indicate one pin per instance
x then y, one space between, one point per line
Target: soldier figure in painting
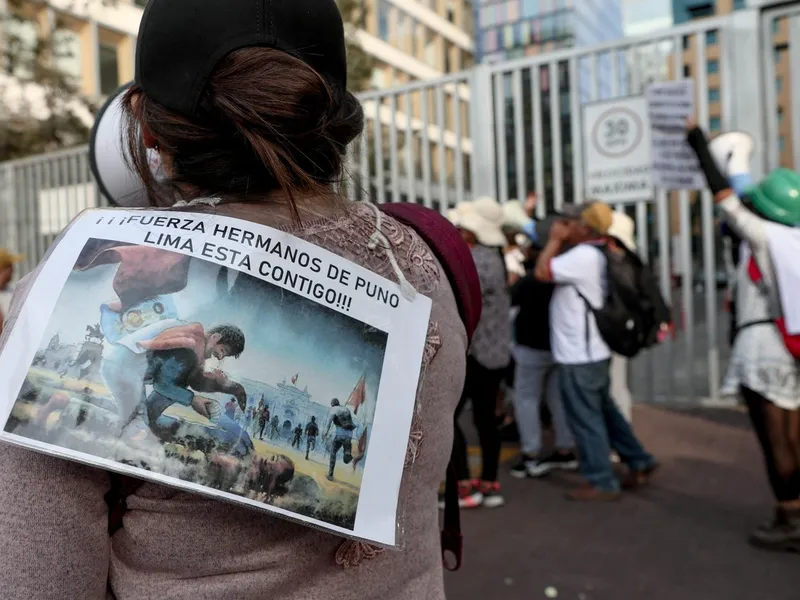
296 435
312 431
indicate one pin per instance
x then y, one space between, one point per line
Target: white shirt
581 269
515 260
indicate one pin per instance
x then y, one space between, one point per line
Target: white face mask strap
378 239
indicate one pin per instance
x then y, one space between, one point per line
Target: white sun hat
484 218
622 228
514 214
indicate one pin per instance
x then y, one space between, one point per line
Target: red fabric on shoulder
446 243
753 271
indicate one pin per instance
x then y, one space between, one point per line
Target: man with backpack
587 309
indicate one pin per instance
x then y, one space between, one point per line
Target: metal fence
506 129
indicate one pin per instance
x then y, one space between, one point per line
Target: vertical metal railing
510 129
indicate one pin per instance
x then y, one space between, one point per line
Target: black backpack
633 309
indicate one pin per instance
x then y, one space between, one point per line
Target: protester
764 360
622 229
480 222
536 377
250 114
7 262
583 356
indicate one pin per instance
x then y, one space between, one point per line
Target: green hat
777 197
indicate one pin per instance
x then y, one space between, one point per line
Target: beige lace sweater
178 546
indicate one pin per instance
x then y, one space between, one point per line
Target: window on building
109 69
530 8
702 10
490 40
779 84
446 62
739 4
383 20
687 71
687 41
525 32
780 116
715 124
487 16
430 49
776 26
500 12
508 37
547 27
23 35
451 11
711 37
780 52
782 143
713 66
713 94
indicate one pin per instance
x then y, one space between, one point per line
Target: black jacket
532 325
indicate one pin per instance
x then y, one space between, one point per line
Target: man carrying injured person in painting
344 422
175 368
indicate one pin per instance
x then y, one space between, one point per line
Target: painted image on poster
182 367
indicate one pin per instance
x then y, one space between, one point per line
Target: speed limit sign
617 142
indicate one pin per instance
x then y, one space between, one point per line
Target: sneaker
491 495
469 496
520 470
782 534
564 461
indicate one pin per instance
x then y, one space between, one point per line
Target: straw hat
598 215
484 218
622 228
514 215
9 259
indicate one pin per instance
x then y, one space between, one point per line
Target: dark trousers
261 426
346 445
481 386
778 432
597 424
311 444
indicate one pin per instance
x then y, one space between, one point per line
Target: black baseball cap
181 42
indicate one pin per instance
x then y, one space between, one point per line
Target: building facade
96 40
687 10
93 42
509 29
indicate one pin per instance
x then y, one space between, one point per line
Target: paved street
682 539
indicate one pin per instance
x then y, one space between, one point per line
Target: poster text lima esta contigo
181 236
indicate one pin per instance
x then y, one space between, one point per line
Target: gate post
481 111
747 105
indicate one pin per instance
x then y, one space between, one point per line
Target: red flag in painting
362 449
358 395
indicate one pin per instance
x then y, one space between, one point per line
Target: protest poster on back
221 357
675 165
